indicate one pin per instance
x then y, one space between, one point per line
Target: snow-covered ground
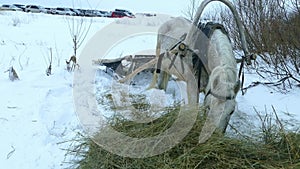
37 113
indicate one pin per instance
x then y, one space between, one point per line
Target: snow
37 112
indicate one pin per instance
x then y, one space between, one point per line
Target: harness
200 63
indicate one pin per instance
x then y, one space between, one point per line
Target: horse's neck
220 51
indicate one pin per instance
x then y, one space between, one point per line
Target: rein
248 59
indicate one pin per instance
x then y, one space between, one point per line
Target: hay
218 152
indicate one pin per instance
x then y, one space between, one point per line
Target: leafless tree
78 28
191 9
272 29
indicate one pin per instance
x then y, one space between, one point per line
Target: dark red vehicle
120 13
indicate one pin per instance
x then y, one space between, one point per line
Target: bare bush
16 21
78 28
12 74
49 69
273 34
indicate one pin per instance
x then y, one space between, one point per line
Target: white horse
179 44
222 86
218 66
218 73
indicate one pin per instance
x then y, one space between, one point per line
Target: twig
11 152
277 83
20 58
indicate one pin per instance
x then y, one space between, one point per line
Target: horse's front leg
163 80
154 80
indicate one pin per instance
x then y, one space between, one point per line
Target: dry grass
282 151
